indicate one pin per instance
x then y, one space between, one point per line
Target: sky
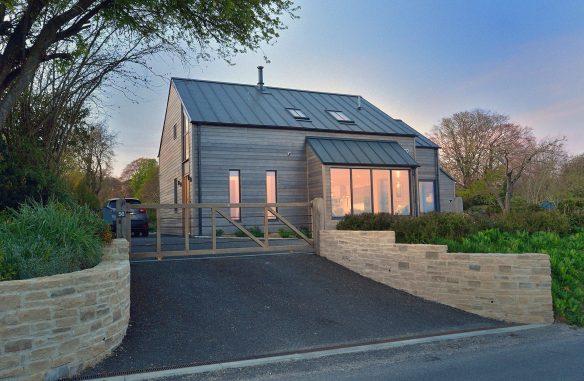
419 61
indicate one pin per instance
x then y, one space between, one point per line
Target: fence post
121 218
318 223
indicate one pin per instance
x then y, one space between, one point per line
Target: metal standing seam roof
221 103
360 152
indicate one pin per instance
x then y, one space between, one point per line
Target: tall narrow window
340 191
426 194
400 182
186 138
381 191
234 193
175 194
174 132
271 191
361 190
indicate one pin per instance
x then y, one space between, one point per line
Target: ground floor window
360 190
234 193
427 198
271 191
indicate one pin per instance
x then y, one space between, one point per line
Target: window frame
185 138
175 195
239 194
272 217
300 115
340 116
350 190
420 181
391 195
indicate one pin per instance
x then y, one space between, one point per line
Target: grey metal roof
223 103
360 152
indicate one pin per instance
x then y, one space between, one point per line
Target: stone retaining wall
510 287
53 327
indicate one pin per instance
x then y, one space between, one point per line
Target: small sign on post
121 218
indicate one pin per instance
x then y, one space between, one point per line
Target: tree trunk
508 194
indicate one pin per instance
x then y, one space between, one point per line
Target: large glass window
358 190
427 200
271 190
340 191
234 193
400 181
361 181
381 191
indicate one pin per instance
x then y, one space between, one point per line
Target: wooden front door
186 197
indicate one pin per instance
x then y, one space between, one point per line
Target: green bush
219 232
285 233
534 221
254 230
40 240
423 229
566 259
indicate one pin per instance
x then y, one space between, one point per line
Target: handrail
221 206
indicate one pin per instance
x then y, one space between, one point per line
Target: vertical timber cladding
170 163
254 151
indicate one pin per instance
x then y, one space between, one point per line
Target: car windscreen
132 201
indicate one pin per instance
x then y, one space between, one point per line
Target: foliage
306 231
50 31
144 181
566 258
254 230
219 232
532 221
24 177
40 240
423 229
285 233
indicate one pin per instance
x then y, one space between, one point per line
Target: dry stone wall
53 327
510 287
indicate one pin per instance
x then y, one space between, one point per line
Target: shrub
566 259
534 221
285 233
57 238
306 231
254 230
423 229
219 232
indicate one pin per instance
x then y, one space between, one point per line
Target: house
237 143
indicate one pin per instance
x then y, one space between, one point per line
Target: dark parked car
138 216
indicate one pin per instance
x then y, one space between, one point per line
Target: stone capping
54 327
510 287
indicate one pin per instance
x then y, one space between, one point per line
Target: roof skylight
297 114
340 116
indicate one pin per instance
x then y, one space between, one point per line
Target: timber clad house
236 143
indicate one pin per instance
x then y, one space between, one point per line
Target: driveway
194 311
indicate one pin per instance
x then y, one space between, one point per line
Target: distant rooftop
223 103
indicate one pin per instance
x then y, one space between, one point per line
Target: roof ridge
265 87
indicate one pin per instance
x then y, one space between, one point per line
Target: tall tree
467 140
517 157
483 145
36 31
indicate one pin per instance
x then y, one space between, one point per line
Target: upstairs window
340 116
297 114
